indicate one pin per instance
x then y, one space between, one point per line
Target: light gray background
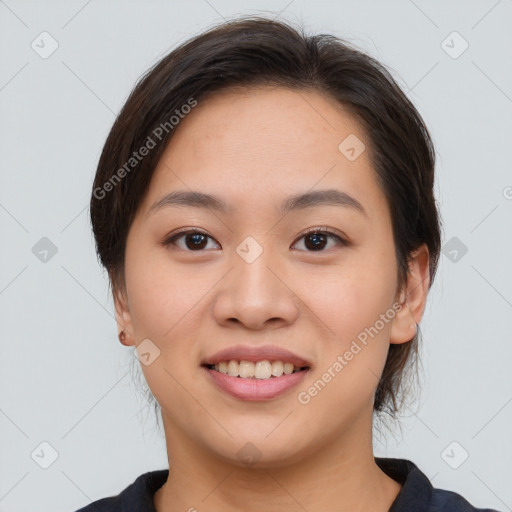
65 379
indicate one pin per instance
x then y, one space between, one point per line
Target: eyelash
171 240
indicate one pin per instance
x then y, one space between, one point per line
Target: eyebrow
328 197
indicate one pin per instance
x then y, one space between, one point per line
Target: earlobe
412 298
123 318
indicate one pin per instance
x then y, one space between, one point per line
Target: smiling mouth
259 370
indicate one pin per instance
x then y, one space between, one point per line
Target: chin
259 452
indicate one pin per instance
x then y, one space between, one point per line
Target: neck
342 476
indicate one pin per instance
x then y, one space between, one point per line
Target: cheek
164 308
152 307
163 296
350 297
351 360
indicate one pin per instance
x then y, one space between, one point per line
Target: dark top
416 495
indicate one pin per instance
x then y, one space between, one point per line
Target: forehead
261 144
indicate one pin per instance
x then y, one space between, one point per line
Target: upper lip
254 354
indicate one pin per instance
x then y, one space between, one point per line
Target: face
315 277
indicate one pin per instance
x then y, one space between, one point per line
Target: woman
264 207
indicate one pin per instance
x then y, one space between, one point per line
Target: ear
412 297
123 317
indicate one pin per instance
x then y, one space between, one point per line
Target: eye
194 239
316 239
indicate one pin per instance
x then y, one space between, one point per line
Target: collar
416 492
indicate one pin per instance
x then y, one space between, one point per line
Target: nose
258 294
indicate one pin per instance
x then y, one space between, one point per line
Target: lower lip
256 389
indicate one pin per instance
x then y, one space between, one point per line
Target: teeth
259 370
277 368
233 369
262 370
288 368
247 370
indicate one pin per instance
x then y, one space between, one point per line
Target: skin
254 148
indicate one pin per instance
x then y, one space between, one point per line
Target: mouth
255 373
255 370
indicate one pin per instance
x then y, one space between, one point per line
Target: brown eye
316 240
193 240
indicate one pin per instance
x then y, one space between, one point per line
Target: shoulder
448 501
418 494
137 497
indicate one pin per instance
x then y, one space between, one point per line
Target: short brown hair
255 51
